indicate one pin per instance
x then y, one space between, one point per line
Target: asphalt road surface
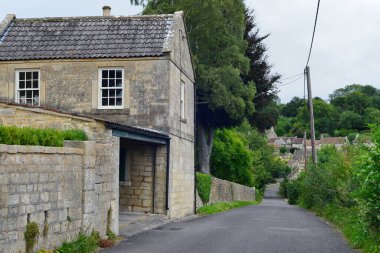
273 226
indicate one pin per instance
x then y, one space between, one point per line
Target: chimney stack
106 11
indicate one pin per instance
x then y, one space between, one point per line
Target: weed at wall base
31 235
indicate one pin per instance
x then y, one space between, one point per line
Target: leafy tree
216 31
266 117
371 116
353 97
351 120
231 158
284 126
291 108
260 74
325 118
266 166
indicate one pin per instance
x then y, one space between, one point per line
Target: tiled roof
87 37
298 141
332 140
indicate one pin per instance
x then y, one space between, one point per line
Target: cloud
346 44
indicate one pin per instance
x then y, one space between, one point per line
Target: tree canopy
351 109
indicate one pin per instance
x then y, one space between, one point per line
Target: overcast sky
346 47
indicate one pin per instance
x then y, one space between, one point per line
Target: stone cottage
133 75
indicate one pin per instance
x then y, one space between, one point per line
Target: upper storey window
28 87
111 88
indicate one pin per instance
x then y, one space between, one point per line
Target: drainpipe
167 174
154 166
195 148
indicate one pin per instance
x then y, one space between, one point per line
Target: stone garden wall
226 191
64 190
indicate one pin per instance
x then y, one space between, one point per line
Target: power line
290 77
290 82
312 39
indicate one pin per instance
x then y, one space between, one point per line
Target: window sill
124 111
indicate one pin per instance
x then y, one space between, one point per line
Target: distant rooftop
85 37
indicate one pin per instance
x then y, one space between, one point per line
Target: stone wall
41 185
65 189
226 191
20 116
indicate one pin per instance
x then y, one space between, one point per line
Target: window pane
104 93
104 73
111 83
29 101
22 94
29 94
28 84
112 93
35 75
112 102
28 75
119 82
22 84
36 97
112 74
22 75
35 84
104 101
104 83
118 101
118 73
119 93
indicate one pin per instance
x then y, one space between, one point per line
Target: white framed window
111 88
182 100
28 86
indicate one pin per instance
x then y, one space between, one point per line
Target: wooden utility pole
305 149
311 112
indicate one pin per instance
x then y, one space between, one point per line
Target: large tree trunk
205 140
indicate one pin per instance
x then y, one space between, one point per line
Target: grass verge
223 206
356 233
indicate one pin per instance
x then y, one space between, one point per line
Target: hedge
203 186
11 135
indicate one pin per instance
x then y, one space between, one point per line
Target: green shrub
293 191
368 174
266 166
31 235
283 188
83 244
74 135
12 135
203 184
283 150
231 158
344 188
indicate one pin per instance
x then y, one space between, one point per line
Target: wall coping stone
13 149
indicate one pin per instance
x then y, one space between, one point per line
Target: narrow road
273 226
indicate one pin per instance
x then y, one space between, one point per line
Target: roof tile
86 37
